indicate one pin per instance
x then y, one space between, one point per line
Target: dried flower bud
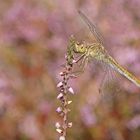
62 90
71 90
66 56
59 110
62 138
62 73
60 95
59 130
59 84
69 102
57 125
74 61
62 114
70 124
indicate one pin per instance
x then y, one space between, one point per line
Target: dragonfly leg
79 58
82 64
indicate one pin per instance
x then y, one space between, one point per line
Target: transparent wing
110 85
82 63
92 27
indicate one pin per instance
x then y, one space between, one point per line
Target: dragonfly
98 52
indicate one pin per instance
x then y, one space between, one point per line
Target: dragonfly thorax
97 51
80 48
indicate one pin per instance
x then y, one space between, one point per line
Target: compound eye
82 46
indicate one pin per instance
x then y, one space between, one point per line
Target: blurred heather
33 39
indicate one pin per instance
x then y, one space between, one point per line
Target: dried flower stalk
64 89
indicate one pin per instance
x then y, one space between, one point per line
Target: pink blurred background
33 41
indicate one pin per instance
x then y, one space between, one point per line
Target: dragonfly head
79 48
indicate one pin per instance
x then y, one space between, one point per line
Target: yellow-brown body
98 52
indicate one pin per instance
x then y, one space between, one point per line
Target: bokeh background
33 41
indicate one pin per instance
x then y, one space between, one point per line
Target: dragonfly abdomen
113 63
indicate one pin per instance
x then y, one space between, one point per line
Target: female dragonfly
98 52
